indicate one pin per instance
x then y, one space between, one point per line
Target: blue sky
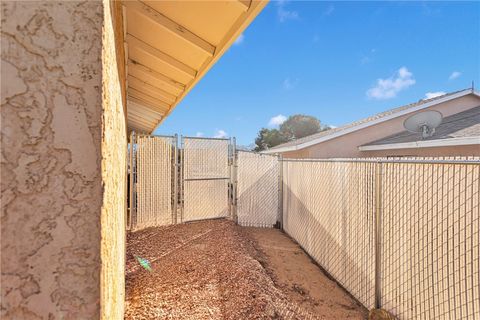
338 61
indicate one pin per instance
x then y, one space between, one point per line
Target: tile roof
459 125
363 121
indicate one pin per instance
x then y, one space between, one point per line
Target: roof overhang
170 45
371 123
449 142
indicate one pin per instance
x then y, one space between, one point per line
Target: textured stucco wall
114 146
60 191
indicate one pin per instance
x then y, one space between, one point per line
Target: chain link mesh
329 209
205 178
257 189
154 181
430 236
429 226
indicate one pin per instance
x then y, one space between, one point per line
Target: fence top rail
144 135
258 153
205 138
408 161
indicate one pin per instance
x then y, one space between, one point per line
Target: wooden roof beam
170 25
140 120
139 125
245 4
138 128
144 109
134 42
147 104
146 71
138 113
142 96
151 90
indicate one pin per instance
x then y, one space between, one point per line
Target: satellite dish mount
424 123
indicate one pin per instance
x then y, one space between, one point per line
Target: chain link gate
152 181
206 178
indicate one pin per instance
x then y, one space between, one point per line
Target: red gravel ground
218 270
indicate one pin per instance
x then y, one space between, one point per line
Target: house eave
424 144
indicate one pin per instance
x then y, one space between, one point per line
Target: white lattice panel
257 189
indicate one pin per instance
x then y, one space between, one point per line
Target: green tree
268 138
299 126
295 127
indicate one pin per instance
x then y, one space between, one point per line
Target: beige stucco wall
114 148
63 158
347 145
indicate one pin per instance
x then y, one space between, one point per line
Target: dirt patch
301 280
209 270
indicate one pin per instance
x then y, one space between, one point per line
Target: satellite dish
424 123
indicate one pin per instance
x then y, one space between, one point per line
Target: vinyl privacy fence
400 234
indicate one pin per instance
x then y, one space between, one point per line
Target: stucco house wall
62 165
346 146
113 166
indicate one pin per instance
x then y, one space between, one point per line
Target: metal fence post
234 181
182 182
230 182
378 226
175 179
131 181
280 190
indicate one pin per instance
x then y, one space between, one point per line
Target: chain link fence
152 197
205 177
430 240
398 234
257 189
329 209
401 234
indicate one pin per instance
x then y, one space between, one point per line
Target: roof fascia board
424 144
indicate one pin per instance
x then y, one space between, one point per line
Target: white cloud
284 14
455 75
430 95
239 40
289 84
277 120
220 134
388 88
199 134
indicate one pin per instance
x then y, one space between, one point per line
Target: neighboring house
383 134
